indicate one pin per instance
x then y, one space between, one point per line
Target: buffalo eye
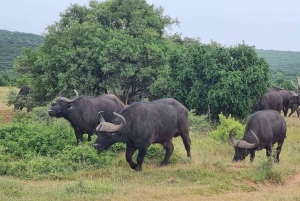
61 103
106 135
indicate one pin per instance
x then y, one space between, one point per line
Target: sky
265 24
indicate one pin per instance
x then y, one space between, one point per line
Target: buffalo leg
90 136
140 158
285 111
252 155
294 107
186 141
78 136
268 151
168 146
187 144
129 152
278 150
292 111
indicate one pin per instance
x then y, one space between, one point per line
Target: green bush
225 126
3 81
198 123
12 94
38 147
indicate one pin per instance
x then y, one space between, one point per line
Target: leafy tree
116 46
213 79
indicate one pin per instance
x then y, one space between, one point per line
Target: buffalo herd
141 124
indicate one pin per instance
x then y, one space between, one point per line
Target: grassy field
210 175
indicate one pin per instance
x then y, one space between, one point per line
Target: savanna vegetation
40 161
122 47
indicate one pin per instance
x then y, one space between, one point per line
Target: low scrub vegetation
37 148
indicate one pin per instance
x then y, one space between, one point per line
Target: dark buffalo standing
20 101
263 130
286 100
271 100
295 99
293 106
24 91
286 95
144 123
82 111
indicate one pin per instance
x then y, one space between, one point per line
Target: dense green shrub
35 146
225 126
3 81
198 123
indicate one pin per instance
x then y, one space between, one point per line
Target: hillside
284 64
11 44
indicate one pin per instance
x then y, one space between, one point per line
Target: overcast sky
267 24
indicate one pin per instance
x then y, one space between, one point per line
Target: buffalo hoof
162 164
135 166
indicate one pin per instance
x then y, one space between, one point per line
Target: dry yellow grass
5 111
177 180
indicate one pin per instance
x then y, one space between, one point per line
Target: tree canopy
213 79
120 46
115 46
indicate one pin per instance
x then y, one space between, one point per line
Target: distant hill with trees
11 44
284 65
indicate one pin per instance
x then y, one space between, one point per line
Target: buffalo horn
70 100
233 141
110 127
101 119
61 92
242 143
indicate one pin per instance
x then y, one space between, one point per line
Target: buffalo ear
69 106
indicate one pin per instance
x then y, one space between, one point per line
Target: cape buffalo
293 106
263 130
82 111
270 100
20 101
295 99
286 95
144 123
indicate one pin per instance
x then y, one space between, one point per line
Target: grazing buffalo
263 130
20 101
144 123
82 111
270 100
